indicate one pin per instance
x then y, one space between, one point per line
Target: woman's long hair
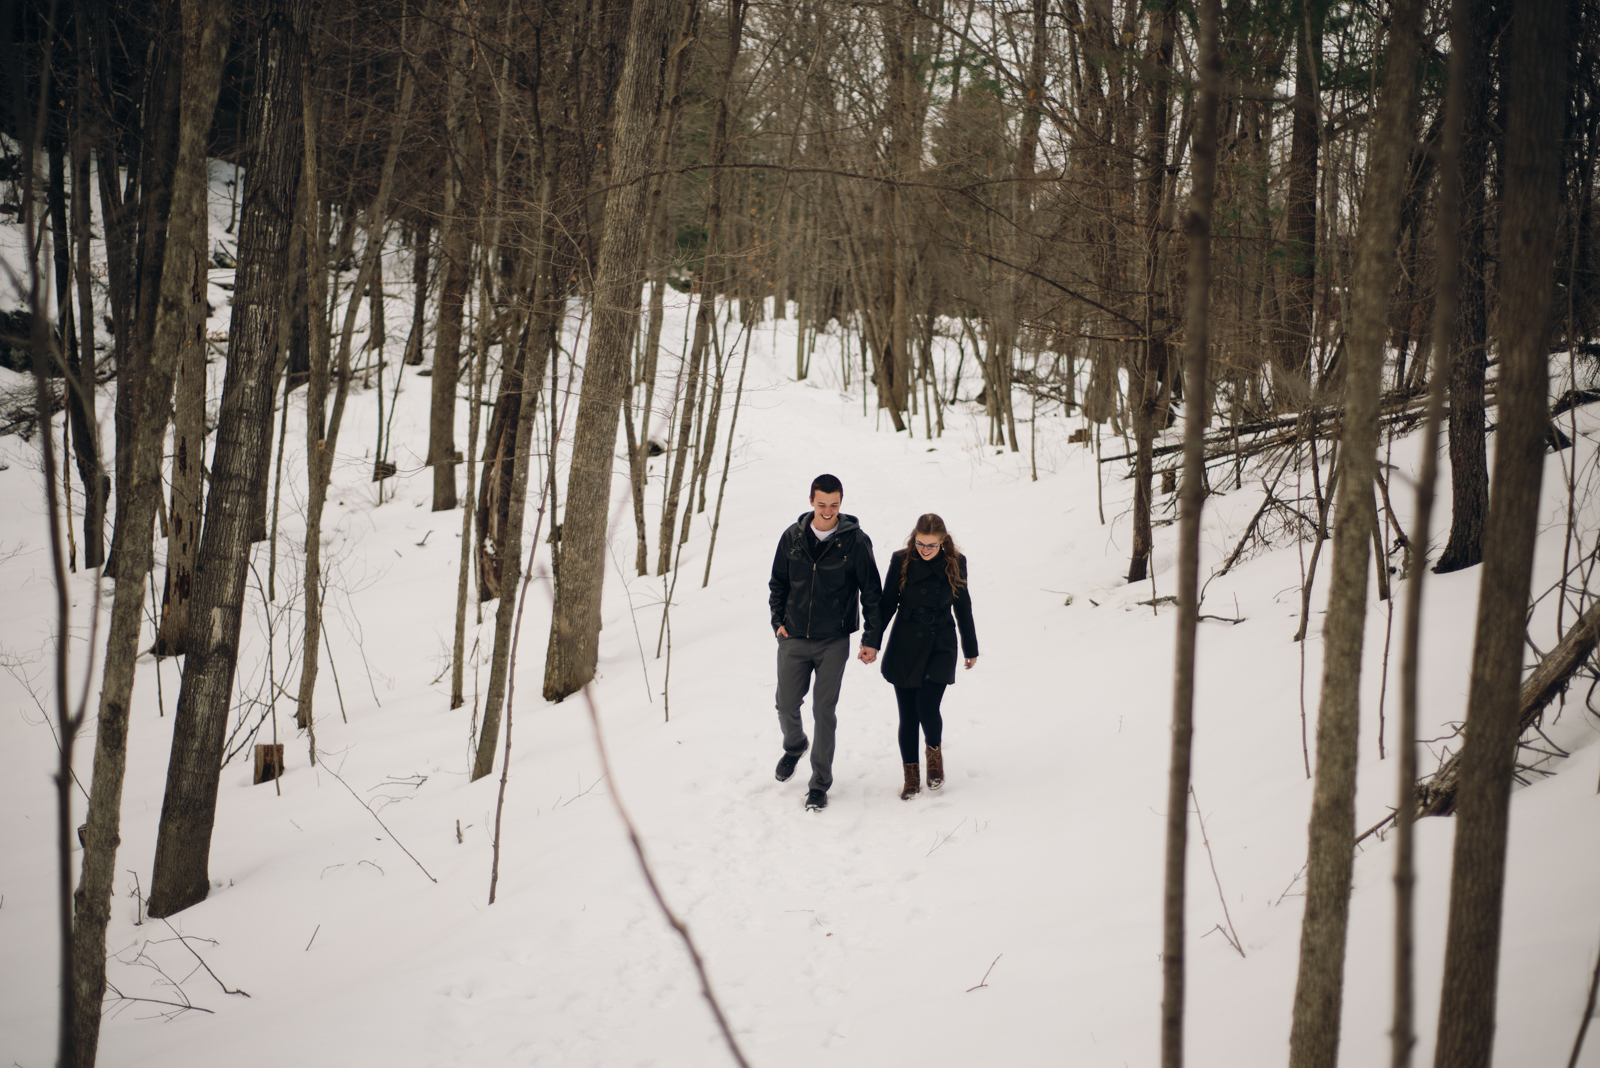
932 524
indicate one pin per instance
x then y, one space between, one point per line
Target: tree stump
269 762
1169 480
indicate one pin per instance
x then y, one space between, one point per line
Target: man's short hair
826 484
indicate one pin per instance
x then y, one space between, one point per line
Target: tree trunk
575 625
272 181
1469 457
188 455
1535 113
157 157
1197 231
544 322
1143 388
87 447
456 249
711 281
419 300
322 440
1319 987
205 41
1402 1032
1293 378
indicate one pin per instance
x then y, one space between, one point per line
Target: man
824 562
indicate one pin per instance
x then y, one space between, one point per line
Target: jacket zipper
811 605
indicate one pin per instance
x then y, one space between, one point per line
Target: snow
1011 918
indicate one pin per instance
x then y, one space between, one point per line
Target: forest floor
1012 918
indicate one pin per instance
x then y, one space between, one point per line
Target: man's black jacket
817 598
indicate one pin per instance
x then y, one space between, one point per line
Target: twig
945 839
201 959
985 980
1230 934
1286 889
138 897
1588 1014
313 939
156 1001
374 815
655 891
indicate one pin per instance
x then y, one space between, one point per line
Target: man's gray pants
798 659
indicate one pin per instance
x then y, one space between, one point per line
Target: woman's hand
970 661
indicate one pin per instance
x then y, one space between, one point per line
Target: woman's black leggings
919 706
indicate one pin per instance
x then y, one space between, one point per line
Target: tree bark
1143 388
87 447
272 180
188 453
1402 1032
1197 316
1319 987
575 626
456 249
205 41
1300 212
1535 113
1469 456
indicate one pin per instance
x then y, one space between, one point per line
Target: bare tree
272 181
1197 341
575 625
1535 113
1319 987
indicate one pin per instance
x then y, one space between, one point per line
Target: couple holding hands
823 564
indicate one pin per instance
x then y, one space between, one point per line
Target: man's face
825 509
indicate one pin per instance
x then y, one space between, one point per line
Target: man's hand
783 632
867 654
970 661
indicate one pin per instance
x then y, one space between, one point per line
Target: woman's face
927 545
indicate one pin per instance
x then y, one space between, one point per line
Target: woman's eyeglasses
927 547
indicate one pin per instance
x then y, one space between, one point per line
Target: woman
926 582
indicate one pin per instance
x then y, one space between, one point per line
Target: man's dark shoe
787 762
816 800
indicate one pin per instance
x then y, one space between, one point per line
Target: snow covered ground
1013 918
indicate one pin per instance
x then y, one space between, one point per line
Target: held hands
970 661
867 655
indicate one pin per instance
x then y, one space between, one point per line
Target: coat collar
847 523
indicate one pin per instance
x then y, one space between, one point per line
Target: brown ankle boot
935 768
913 784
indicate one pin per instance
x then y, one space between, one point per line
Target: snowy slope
849 937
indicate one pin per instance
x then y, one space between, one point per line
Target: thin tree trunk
322 442
205 40
1469 334
1535 113
183 843
712 278
1319 988
87 447
1293 378
157 157
456 249
1191 498
1402 1033
188 456
421 243
575 624
1151 363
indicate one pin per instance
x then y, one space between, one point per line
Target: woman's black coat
922 645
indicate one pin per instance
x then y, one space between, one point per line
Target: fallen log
1437 795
